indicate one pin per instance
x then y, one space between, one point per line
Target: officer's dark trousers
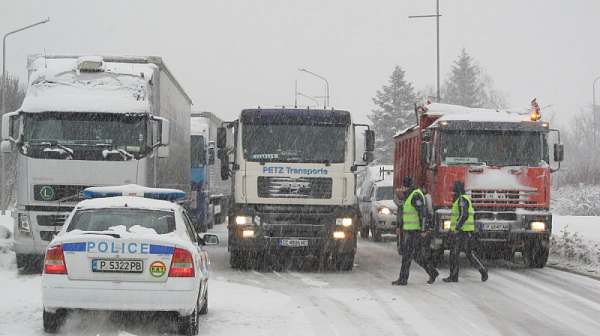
465 241
412 250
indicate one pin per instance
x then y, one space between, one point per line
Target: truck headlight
339 234
447 224
242 220
538 226
248 233
24 225
384 211
343 221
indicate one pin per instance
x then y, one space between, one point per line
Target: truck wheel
30 263
364 232
344 261
236 260
535 254
53 321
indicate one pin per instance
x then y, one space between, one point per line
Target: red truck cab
503 158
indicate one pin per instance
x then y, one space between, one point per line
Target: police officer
413 221
462 226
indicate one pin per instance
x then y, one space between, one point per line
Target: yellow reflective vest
410 216
469 224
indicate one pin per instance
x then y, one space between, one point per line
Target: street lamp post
326 86
594 107
437 25
303 95
3 201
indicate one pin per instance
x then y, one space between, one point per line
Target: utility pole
437 24
3 200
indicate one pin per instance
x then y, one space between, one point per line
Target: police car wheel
188 325
53 321
204 309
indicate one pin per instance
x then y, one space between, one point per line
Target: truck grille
502 197
51 220
58 193
287 187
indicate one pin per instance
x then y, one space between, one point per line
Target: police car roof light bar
134 190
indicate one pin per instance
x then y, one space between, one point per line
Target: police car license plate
293 242
495 226
121 266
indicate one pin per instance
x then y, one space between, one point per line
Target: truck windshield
385 193
493 148
295 143
85 136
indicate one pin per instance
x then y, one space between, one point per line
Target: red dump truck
503 158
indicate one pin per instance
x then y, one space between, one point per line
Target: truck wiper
53 144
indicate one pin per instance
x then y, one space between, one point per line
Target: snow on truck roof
448 112
73 85
455 112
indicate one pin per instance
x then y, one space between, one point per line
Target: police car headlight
343 221
242 220
384 211
538 226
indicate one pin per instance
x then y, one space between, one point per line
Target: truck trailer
92 121
210 194
503 159
293 185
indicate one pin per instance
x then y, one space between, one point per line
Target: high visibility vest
469 224
410 216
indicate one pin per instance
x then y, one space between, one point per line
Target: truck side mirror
559 152
6 146
224 157
8 120
426 135
425 153
221 137
211 156
368 156
164 131
369 141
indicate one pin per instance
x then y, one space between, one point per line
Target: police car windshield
102 219
295 143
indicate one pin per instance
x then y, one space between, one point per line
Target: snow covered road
298 301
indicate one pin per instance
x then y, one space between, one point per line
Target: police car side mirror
210 239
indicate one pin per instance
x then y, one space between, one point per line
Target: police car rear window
103 219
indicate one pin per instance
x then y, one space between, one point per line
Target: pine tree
396 112
470 86
15 93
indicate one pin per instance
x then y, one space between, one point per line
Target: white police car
127 253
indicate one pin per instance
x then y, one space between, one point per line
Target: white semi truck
92 121
293 185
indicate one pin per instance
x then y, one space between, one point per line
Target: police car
138 252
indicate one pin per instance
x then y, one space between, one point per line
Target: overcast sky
233 54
